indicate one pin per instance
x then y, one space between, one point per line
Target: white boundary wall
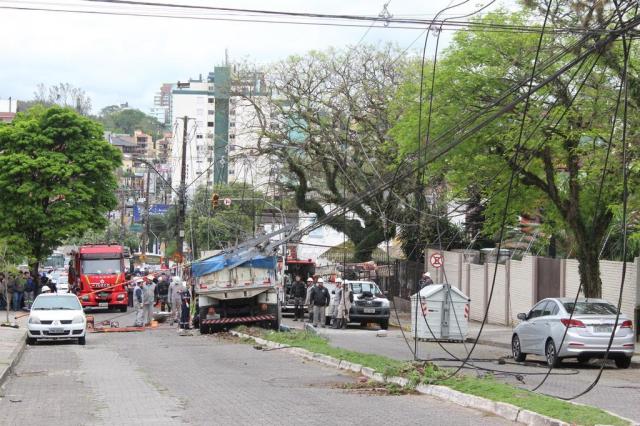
514 290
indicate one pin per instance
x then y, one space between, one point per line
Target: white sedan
56 316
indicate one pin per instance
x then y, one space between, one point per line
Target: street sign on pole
436 260
227 201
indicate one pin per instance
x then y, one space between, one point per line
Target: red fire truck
96 275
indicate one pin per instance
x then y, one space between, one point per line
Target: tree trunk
589 270
33 267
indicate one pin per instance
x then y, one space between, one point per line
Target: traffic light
214 200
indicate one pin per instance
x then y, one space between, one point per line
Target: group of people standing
19 289
315 296
174 297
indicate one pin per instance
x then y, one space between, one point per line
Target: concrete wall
522 278
514 290
611 276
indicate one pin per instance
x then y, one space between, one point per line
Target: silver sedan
588 332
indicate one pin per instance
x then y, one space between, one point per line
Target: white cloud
117 58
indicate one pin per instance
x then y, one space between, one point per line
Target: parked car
588 332
369 304
56 316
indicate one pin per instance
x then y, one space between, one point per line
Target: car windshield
361 287
50 303
591 308
101 266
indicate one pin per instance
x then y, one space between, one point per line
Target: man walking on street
333 310
345 298
175 298
307 301
163 292
299 293
319 299
149 299
138 293
18 292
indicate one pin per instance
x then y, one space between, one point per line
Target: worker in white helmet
176 288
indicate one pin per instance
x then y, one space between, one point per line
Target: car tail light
572 323
626 324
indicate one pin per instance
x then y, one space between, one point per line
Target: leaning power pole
181 192
145 235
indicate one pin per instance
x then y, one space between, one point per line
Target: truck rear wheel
204 328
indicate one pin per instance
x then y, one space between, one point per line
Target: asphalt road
618 390
158 377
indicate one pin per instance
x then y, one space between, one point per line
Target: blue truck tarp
217 263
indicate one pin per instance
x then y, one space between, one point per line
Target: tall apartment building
144 145
218 145
161 109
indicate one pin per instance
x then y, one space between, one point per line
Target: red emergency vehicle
97 276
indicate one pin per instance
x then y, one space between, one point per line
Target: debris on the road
375 388
8 324
381 333
114 329
15 400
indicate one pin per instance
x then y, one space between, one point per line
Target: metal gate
548 278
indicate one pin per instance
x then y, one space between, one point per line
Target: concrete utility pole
145 236
181 192
122 214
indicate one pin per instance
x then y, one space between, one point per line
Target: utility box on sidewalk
440 312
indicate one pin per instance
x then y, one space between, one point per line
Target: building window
210 100
210 124
232 124
232 136
211 112
198 136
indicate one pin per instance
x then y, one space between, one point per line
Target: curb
15 356
500 409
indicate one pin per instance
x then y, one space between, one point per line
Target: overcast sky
120 59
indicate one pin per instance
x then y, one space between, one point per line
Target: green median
427 373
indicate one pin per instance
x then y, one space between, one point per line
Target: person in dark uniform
184 312
130 286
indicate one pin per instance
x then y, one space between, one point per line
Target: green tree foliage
127 120
56 178
559 168
209 228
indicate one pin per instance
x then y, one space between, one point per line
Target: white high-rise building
194 100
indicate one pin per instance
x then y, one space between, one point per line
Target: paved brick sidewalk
12 341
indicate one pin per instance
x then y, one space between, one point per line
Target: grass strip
485 387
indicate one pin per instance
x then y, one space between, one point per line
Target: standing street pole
181 192
122 215
145 236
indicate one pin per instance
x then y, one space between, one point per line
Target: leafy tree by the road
57 179
127 120
327 124
559 168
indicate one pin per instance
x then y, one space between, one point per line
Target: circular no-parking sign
227 201
436 260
